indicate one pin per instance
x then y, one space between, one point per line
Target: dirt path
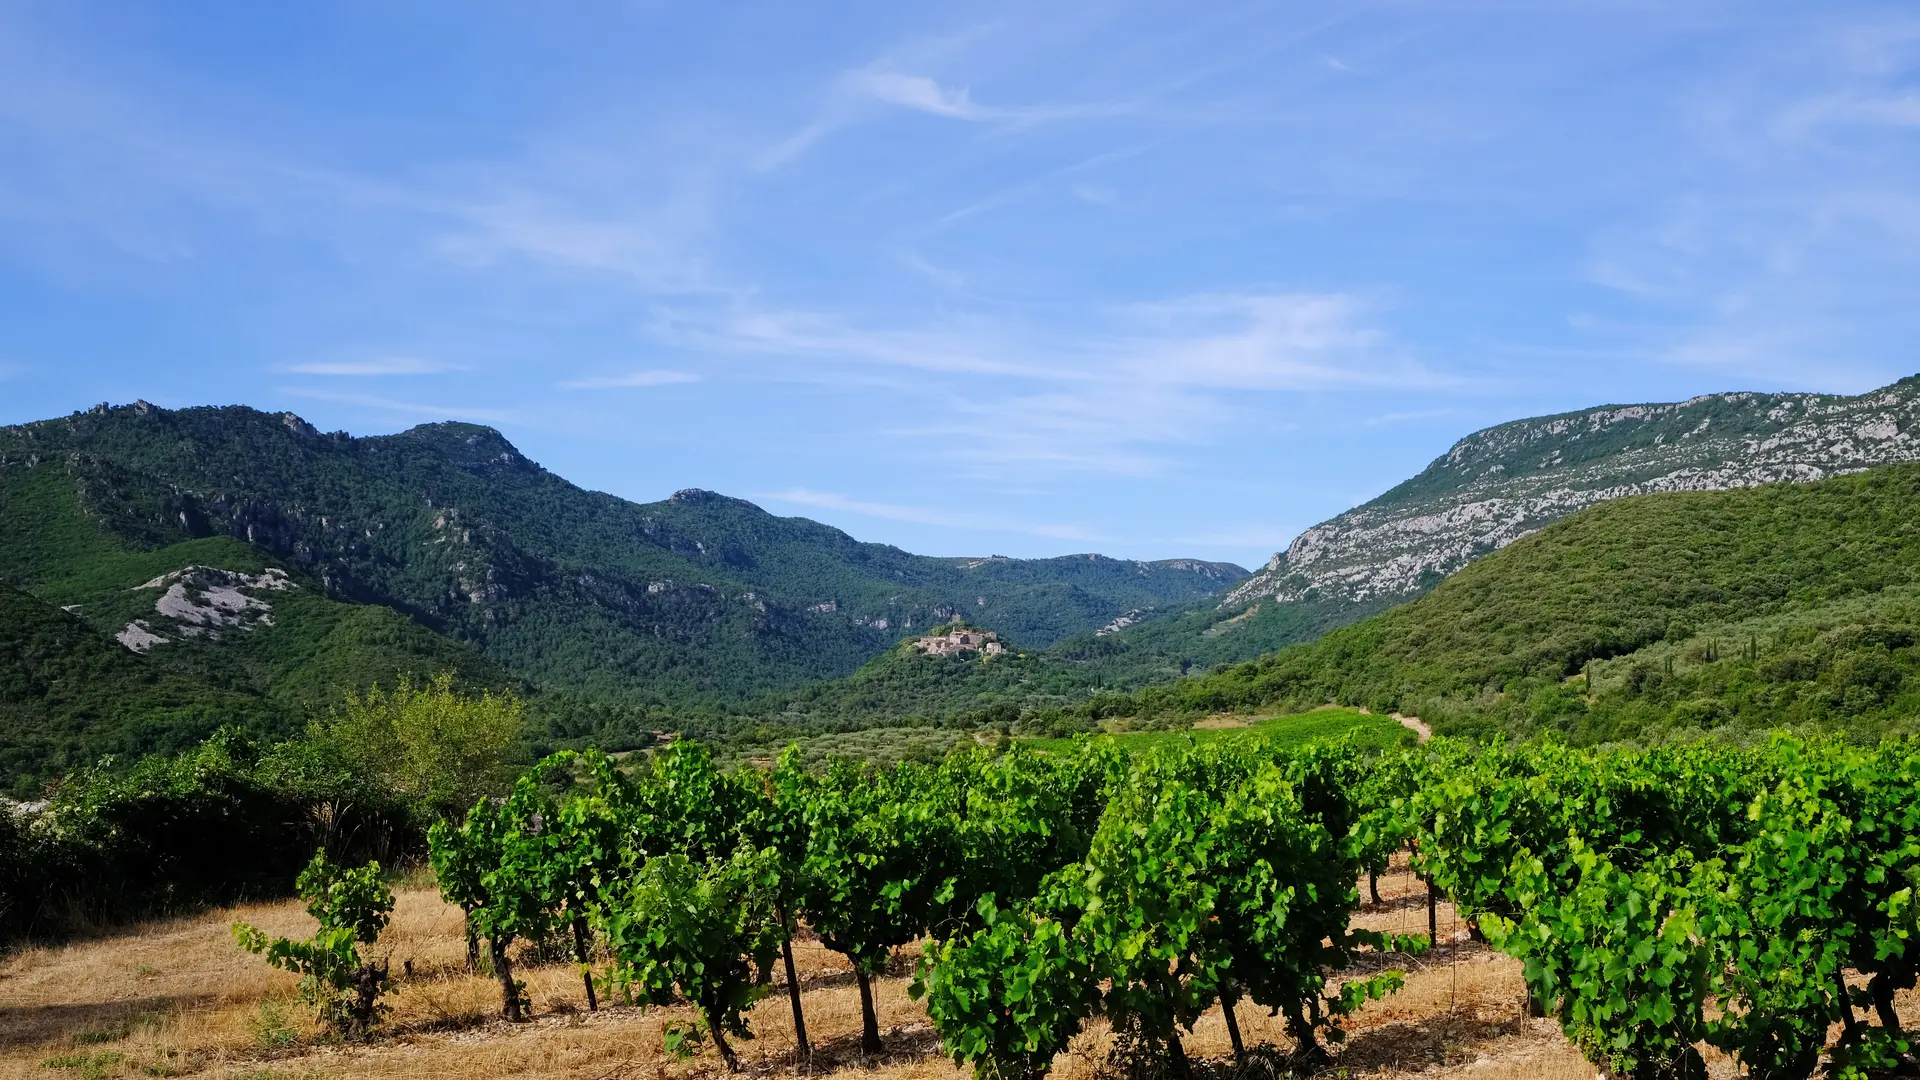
1411 723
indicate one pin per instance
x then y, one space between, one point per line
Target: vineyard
1751 902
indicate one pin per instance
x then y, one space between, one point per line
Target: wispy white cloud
950 346
1097 194
1271 341
394 405
919 515
650 230
1820 115
922 93
393 365
630 380
1005 399
915 92
1385 419
854 96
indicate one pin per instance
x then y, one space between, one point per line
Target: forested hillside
1490 488
1504 482
1044 688
694 600
252 570
1647 617
443 548
222 641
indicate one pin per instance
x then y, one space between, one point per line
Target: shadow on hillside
90 1022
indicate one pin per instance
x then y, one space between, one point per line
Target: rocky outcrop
1500 484
205 602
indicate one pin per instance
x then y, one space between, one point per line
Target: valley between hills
574 786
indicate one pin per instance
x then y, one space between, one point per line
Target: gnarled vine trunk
1177 1054
720 1041
511 1006
580 954
369 980
869 1020
1233 1027
793 987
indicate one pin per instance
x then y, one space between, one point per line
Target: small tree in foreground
438 748
352 907
706 934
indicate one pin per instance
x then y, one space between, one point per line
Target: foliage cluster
117 841
162 836
1669 897
352 906
431 746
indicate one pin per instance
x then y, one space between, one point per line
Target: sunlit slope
115 640
1784 604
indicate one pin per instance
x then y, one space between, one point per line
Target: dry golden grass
180 999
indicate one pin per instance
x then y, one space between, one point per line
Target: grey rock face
205 601
1498 485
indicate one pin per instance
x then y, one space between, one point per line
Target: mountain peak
1503 482
469 444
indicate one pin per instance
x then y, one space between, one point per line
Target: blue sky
1032 279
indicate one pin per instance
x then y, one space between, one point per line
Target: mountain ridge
1503 482
1662 616
699 599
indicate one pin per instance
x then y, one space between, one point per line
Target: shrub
352 907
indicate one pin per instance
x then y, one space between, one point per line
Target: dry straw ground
179 998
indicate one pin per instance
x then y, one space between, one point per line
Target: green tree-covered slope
118 634
904 688
70 692
1745 609
1489 489
1501 483
693 601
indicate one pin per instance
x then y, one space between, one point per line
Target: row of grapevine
1215 875
1050 887
1747 900
693 880
1659 900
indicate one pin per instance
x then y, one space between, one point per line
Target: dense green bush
161 836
